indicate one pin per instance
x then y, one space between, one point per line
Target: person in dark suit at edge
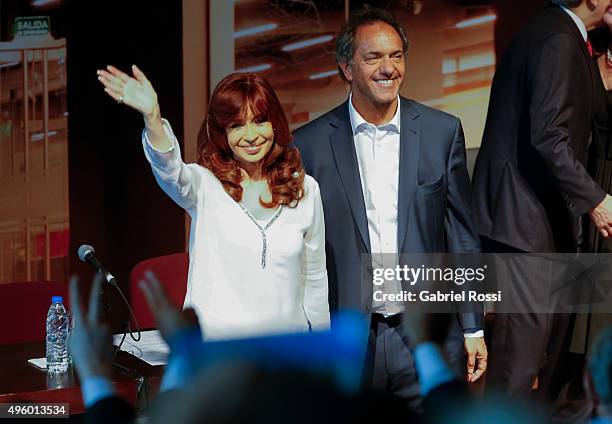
393 180
530 185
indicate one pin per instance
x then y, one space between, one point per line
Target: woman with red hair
257 244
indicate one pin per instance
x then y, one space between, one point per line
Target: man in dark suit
393 179
531 187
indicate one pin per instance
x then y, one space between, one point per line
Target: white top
378 149
232 293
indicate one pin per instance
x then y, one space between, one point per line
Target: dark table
20 381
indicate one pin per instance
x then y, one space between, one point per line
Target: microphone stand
127 326
127 329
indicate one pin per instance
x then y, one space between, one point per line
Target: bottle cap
57 299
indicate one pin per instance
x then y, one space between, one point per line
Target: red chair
28 303
172 272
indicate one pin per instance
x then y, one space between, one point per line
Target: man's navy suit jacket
434 197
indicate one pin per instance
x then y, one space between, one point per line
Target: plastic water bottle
57 337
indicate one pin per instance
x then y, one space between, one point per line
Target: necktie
590 47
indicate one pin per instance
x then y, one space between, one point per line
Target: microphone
88 254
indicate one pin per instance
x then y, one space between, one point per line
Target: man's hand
90 342
601 215
170 319
605 70
476 351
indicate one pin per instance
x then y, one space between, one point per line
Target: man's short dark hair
345 43
568 3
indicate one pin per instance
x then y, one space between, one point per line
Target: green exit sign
32 25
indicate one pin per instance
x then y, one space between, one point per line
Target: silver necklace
263 230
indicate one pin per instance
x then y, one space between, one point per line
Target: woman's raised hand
136 92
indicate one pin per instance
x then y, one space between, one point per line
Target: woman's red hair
282 166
